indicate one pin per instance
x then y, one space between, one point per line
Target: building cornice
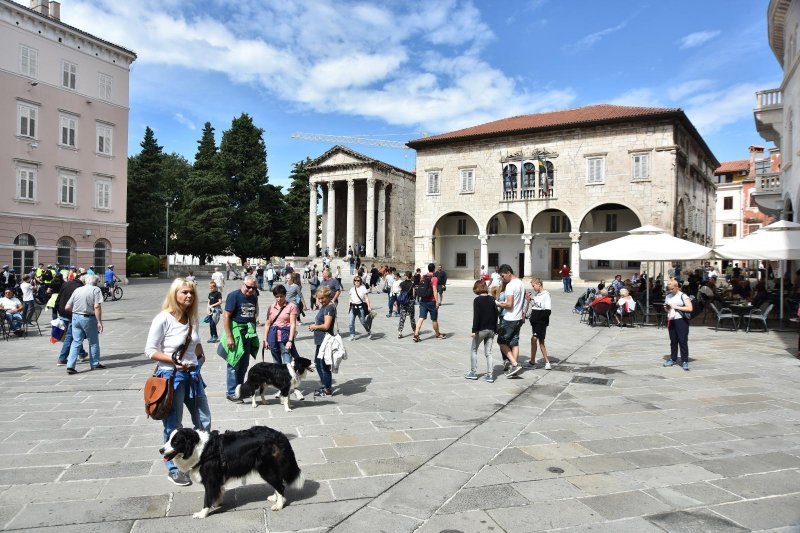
776 27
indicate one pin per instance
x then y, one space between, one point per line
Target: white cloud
712 111
677 92
641 96
415 63
183 120
697 38
593 38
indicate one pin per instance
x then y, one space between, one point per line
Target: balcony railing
532 193
768 183
769 98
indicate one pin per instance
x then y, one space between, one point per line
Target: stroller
582 304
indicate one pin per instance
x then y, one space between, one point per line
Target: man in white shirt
13 308
514 303
270 275
218 278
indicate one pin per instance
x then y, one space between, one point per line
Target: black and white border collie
263 375
215 458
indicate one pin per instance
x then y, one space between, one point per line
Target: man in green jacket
239 336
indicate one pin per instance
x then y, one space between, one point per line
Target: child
484 324
540 309
214 310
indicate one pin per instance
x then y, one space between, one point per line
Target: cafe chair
724 313
761 315
31 320
601 311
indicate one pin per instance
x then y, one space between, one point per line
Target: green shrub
142 264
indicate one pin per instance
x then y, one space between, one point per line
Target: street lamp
166 237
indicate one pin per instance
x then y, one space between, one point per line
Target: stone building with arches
534 190
64 111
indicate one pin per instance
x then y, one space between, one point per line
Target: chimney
55 10
40 6
755 151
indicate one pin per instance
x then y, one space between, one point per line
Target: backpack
697 308
404 297
425 289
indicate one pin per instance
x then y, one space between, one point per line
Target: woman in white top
359 306
626 305
679 309
539 316
169 331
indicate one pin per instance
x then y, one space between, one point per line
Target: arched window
65 251
494 226
546 179
24 253
510 182
528 180
101 250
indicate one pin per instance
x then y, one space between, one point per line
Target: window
595 170
64 251
23 255
494 259
100 249
752 228
510 182
104 82
762 166
559 224
69 129
611 222
641 166
546 179
467 180
729 230
634 264
727 202
104 136
604 264
66 188
494 226
26 183
69 74
461 260
462 226
28 61
528 176
26 120
102 189
433 183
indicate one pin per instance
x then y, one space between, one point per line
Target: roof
726 167
563 119
71 28
363 160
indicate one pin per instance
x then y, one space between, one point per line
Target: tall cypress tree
145 211
202 219
296 199
254 203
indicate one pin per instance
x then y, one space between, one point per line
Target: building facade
534 190
365 202
64 113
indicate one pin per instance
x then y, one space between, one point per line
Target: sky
399 70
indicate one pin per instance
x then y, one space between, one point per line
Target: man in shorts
511 323
539 311
429 306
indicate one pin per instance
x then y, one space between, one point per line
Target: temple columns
331 240
351 214
312 220
370 251
381 219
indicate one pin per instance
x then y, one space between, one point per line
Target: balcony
769 114
527 193
768 193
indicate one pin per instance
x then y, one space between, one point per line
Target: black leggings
679 338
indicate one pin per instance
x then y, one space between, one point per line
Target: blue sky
397 68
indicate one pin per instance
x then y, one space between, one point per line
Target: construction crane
349 139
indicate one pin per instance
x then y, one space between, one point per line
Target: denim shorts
426 308
509 332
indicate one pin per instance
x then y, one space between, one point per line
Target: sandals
416 338
441 336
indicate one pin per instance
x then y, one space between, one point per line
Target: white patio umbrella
647 243
779 241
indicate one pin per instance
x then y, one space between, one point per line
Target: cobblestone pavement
407 444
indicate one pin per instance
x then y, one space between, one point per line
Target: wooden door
558 258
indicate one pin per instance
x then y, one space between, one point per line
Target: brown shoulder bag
158 391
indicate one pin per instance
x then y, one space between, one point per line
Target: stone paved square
407 444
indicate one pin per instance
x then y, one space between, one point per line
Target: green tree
296 199
255 204
202 220
145 211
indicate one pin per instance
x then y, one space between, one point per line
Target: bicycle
114 292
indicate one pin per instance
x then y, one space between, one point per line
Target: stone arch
603 223
102 256
505 245
456 245
551 243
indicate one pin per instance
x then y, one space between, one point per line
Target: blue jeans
324 371
260 281
392 300
352 268
84 327
565 281
27 309
361 312
198 409
67 344
236 374
15 320
280 353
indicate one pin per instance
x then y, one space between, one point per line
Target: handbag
159 391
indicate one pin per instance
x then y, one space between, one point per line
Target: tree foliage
145 217
297 198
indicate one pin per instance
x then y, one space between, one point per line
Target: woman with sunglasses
359 306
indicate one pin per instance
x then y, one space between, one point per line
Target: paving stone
628 444
595 464
628 525
43 459
422 492
761 485
378 467
547 515
427 448
386 437
511 455
467 522
372 520
78 512
464 457
364 487
661 476
538 470
692 494
691 521
108 526
107 470
352 453
752 464
607 483
660 457
490 497
489 475
22 476
544 490
331 471
51 492
625 504
702 435
316 515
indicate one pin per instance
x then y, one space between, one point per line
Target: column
351 216
484 251
312 220
381 219
331 241
370 217
575 255
528 248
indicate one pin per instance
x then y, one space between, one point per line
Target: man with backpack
428 303
441 278
405 300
